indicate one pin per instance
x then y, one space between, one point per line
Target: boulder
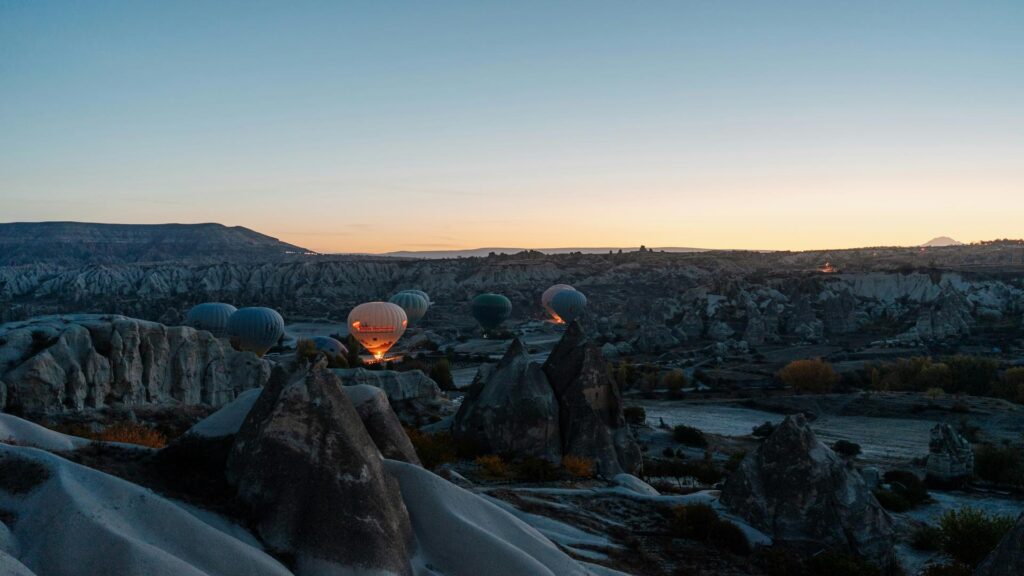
1008 557
950 457
802 494
511 408
62 364
381 423
415 398
590 409
314 482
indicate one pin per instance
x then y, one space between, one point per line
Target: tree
809 375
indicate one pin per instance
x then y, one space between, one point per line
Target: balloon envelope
255 329
210 316
549 294
377 326
569 305
329 345
420 292
490 310
415 306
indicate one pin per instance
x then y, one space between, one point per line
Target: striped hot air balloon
377 326
255 329
210 316
548 295
490 310
569 305
415 306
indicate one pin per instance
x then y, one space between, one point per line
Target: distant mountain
480 252
88 243
942 241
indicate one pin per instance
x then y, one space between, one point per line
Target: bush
972 374
689 436
131 433
908 486
675 381
837 563
1012 385
578 467
441 372
809 375
1002 465
536 470
968 535
635 415
493 466
734 460
846 449
927 538
891 501
764 430
693 521
433 449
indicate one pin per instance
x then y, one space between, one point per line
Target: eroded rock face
56 364
801 493
950 457
314 481
413 395
590 409
381 423
1008 557
511 409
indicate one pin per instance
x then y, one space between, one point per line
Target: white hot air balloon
255 329
377 326
210 316
549 295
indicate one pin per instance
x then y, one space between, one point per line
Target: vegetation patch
689 436
968 534
21 475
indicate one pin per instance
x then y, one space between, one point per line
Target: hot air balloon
210 316
415 306
255 329
545 299
569 305
377 326
421 293
329 345
490 310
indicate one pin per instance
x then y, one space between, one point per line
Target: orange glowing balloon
377 326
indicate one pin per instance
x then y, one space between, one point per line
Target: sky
381 125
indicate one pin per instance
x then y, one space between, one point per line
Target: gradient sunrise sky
375 126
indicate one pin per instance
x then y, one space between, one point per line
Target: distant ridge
480 252
942 241
89 243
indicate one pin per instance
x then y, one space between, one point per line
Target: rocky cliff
56 364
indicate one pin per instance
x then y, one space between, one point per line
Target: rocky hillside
77 243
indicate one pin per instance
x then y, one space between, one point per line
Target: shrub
578 467
972 374
809 375
635 415
668 452
131 433
441 372
1002 465
493 466
675 381
734 460
846 449
968 535
891 501
625 374
536 470
1012 384
689 436
693 521
908 486
927 538
836 563
934 393
433 449
764 430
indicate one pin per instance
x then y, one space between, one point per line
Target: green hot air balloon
419 292
569 305
415 306
490 310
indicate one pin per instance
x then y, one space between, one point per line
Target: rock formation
381 423
950 457
590 408
57 364
798 491
413 395
1008 557
511 408
311 476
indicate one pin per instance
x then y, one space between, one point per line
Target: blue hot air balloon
490 310
569 305
210 316
255 329
329 345
415 306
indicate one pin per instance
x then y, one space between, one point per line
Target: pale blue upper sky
386 125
